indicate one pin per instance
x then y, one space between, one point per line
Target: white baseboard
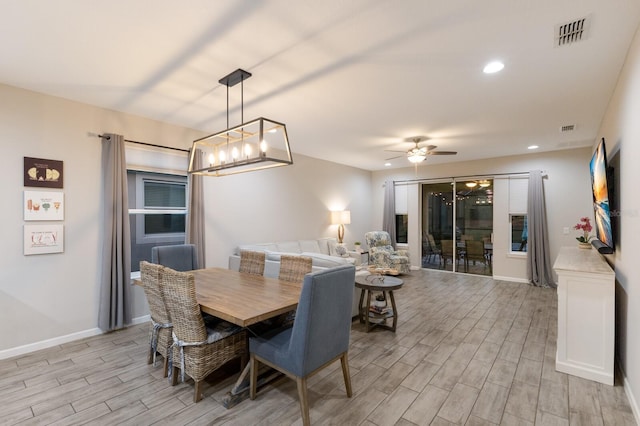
44 344
633 402
511 279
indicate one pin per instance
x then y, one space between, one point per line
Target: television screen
598 167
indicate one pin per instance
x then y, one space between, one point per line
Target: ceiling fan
418 154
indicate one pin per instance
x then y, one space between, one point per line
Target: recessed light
493 67
387 164
533 147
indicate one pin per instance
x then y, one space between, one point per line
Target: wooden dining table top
244 299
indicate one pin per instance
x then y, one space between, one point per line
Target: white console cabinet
586 314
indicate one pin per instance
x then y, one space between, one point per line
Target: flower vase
584 245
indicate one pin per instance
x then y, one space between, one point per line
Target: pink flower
585 226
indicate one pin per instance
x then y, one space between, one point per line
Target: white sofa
322 252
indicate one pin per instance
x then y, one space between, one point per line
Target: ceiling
350 78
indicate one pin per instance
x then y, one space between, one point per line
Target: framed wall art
43 205
43 239
42 173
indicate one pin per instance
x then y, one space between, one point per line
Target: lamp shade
342 217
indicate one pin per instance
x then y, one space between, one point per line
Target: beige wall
567 194
286 203
49 299
621 130
47 296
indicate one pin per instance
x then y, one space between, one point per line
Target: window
519 233
518 192
158 207
402 222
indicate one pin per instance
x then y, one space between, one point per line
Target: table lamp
340 218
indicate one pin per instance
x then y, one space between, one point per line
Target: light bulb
211 159
247 150
263 147
234 153
223 157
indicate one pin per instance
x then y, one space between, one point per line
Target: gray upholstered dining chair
160 339
179 257
319 336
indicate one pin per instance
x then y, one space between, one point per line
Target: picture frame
43 205
43 173
43 239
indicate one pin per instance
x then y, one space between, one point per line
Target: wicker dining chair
252 262
160 338
294 268
198 348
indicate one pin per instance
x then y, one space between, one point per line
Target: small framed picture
43 205
42 173
43 239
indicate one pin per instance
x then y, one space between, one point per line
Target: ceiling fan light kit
418 154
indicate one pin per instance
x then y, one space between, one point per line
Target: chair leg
174 375
304 400
150 355
165 367
344 360
253 376
197 392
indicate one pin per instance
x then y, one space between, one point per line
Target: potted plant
358 246
585 226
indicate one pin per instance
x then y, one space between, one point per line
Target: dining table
244 299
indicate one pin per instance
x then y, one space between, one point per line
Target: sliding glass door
457 226
437 226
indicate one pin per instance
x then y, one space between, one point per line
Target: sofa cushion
324 244
275 255
310 246
256 247
326 261
332 248
289 247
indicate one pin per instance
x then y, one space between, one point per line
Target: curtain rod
146 144
544 174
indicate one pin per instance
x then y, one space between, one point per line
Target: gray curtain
539 269
389 212
115 286
195 215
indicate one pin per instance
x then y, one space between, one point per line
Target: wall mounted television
601 206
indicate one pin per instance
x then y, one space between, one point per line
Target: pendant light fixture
255 145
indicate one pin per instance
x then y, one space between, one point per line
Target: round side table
380 283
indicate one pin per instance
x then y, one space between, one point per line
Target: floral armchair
382 254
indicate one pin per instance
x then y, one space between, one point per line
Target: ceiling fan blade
393 150
393 158
442 152
430 147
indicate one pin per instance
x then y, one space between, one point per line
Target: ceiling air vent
567 128
572 32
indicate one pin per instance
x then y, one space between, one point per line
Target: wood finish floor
468 350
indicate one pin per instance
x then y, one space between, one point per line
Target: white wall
567 195
621 130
